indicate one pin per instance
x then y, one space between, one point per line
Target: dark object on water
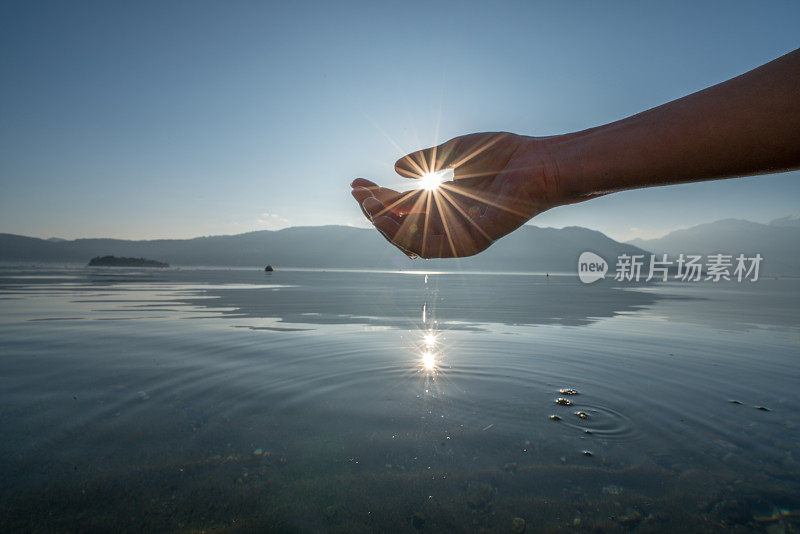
113 261
762 408
582 415
588 453
269 268
734 401
563 401
568 391
555 418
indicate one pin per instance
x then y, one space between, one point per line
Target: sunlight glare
429 339
431 181
428 361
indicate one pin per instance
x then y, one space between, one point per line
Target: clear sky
179 119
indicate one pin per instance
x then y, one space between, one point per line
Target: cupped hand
500 180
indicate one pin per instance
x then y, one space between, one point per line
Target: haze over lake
133 400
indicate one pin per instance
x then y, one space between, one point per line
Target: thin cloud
272 221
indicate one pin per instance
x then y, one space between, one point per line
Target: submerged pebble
563 402
479 495
417 521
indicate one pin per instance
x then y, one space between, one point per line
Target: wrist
563 174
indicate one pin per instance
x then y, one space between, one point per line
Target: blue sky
179 119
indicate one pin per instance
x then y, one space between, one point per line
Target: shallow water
184 400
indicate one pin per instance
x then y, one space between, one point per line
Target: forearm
744 126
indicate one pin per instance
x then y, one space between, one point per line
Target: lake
309 400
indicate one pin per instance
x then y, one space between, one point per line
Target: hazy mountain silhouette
778 242
792 220
530 248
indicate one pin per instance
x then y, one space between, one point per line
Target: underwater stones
732 512
517 525
568 391
630 518
332 512
479 495
561 401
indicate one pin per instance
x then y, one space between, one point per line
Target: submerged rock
269 268
417 521
630 518
479 495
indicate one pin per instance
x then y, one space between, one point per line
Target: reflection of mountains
457 301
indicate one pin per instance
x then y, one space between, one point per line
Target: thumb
468 155
425 161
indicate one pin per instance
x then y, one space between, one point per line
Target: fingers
425 161
389 228
411 238
473 156
385 195
421 223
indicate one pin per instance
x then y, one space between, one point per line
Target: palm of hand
501 181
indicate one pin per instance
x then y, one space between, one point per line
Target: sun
430 181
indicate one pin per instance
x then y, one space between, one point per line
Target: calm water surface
236 400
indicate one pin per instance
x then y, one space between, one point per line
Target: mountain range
778 242
529 249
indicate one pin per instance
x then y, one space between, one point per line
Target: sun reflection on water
428 361
429 339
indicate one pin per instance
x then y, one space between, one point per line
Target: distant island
113 261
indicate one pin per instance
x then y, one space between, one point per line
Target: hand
501 181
